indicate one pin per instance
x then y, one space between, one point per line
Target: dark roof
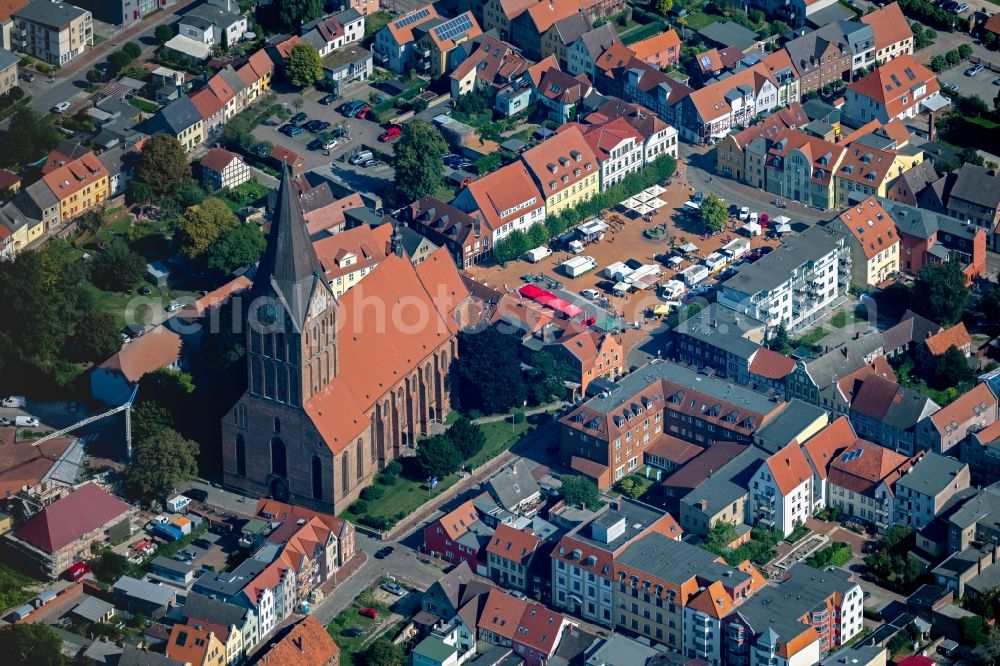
932 474
783 428
775 268
702 466
977 185
668 559
598 39
722 327
180 114
7 59
133 656
289 268
200 607
911 328
64 521
728 33
728 483
513 485
49 13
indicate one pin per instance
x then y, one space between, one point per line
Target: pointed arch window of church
344 469
317 478
241 456
279 460
360 455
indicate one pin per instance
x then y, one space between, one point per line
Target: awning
751 228
661 310
621 287
656 190
689 248
657 202
935 102
646 282
781 219
531 291
783 228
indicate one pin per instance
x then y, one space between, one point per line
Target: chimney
703 505
847 353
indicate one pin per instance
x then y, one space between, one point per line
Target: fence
988 64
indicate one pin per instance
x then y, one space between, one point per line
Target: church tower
291 331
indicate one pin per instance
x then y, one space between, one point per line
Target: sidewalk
118 39
531 412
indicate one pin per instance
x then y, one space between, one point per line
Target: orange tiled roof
513 544
331 216
655 45
895 81
189 644
605 137
789 468
217 159
710 102
862 473
968 406
75 176
366 244
8 7
561 161
888 25
307 644
823 447
457 521
770 364
404 33
502 613
870 225
284 48
156 349
956 336
514 8
544 14
503 190
713 601
446 45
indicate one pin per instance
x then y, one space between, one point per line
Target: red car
362 112
369 612
391 133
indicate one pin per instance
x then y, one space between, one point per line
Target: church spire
289 268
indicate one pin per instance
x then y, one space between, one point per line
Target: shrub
376 522
372 493
359 508
394 468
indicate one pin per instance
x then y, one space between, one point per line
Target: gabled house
658 138
886 413
923 492
256 74
531 630
557 39
436 50
803 168
213 26
901 88
197 644
862 479
820 450
467 237
564 169
509 556
893 36
561 94
583 52
223 169
871 235
459 536
617 145
237 625
515 490
734 157
181 120
491 63
113 381
975 196
306 641
332 32
660 51
928 237
931 349
712 111
781 490
507 198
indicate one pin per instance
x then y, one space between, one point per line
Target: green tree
939 292
487 163
973 631
201 225
663 7
120 60
94 76
630 488
168 387
779 340
555 224
964 51
303 66
242 246
159 465
489 372
952 57
467 437
109 566
580 491
546 377
437 457
132 49
384 652
939 63
28 138
952 369
148 419
139 192
33 644
118 268
538 235
162 163
96 336
163 33
294 13
511 246
417 161
714 213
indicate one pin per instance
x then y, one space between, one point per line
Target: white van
25 422
362 156
15 401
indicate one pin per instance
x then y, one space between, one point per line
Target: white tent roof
644 196
630 203
783 228
656 190
781 219
657 202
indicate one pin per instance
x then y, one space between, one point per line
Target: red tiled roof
828 443
789 468
673 449
282 511
64 521
870 224
217 159
692 474
8 179
286 155
160 348
713 601
512 544
862 473
366 244
889 26
894 81
503 190
307 644
74 176
502 613
966 407
770 364
655 45
457 521
956 336
561 162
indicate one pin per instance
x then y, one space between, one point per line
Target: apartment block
55 33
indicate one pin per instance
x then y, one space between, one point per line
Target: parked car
4 421
744 213
25 422
60 107
368 164
328 143
350 108
27 76
383 553
201 543
352 632
393 588
197 494
173 306
295 130
962 8
14 401
312 125
391 133
329 99
360 157
262 150
953 87
590 294
369 612
698 197
996 82
362 113
972 71
754 218
778 203
298 118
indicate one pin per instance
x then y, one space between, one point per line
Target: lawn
246 194
351 618
402 498
800 531
698 20
642 32
13 586
144 105
375 22
842 319
813 336
112 302
500 436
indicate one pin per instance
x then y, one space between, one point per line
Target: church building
337 387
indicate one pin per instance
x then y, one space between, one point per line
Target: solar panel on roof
705 62
453 28
415 16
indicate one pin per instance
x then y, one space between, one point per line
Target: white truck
577 266
178 503
692 275
537 254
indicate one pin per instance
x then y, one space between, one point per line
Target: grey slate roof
984 508
597 40
228 584
843 360
620 650
986 580
211 15
49 13
975 185
513 485
289 268
774 269
723 328
144 590
922 223
201 607
720 389
133 656
572 27
7 59
931 475
349 15
911 328
635 513
729 483
667 559
92 609
782 429
179 115
40 195
920 176
728 33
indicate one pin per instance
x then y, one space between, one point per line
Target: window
279 464
241 455
317 478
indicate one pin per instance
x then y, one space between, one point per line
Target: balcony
767 522
380 57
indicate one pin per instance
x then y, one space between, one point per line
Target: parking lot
984 84
356 132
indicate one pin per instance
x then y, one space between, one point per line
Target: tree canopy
117 267
160 463
437 457
295 13
952 369
202 224
467 437
162 163
580 491
939 292
304 66
96 336
384 652
242 246
28 139
714 213
32 644
418 161
163 33
489 372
